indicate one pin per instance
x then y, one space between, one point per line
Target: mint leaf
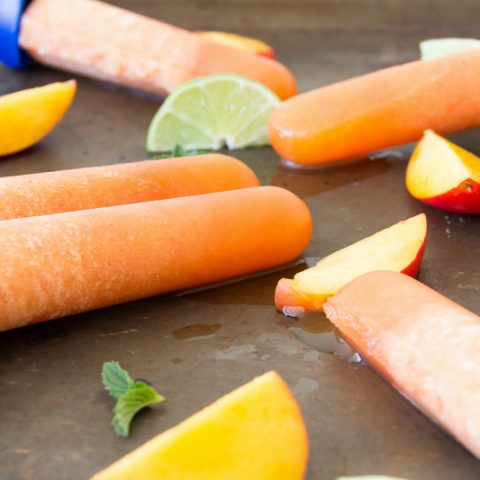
116 380
131 396
138 396
178 151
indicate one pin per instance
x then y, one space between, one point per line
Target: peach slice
28 115
247 44
255 432
398 248
444 175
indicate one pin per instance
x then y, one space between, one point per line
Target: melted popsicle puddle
198 330
315 330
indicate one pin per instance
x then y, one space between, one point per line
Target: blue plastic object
10 15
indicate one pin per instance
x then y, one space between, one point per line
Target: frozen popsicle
379 110
66 263
108 185
425 344
110 43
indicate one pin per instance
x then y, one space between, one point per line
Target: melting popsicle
120 184
66 263
424 343
113 44
349 119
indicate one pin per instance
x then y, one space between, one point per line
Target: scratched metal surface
54 414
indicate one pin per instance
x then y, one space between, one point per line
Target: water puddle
196 331
388 154
317 332
307 182
254 289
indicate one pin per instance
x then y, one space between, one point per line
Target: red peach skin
406 257
465 198
444 175
425 344
286 295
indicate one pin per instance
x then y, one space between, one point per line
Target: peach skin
444 175
398 248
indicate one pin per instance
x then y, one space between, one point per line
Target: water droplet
199 330
294 312
317 332
387 155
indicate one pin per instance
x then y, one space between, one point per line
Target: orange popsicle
57 265
424 343
382 109
93 187
109 43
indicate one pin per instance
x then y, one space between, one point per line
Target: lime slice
439 47
212 112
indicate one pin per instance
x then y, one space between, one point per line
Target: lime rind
440 47
212 112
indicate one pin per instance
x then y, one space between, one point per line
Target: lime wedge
439 47
212 112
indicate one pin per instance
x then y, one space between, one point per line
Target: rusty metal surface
54 414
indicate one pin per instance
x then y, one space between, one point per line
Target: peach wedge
444 175
255 432
247 44
398 248
28 115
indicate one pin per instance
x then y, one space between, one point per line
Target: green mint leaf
116 380
138 396
178 151
131 396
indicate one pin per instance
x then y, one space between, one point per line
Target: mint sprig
177 151
132 396
116 380
132 401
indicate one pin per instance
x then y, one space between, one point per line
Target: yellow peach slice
247 44
255 432
28 115
398 248
444 175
